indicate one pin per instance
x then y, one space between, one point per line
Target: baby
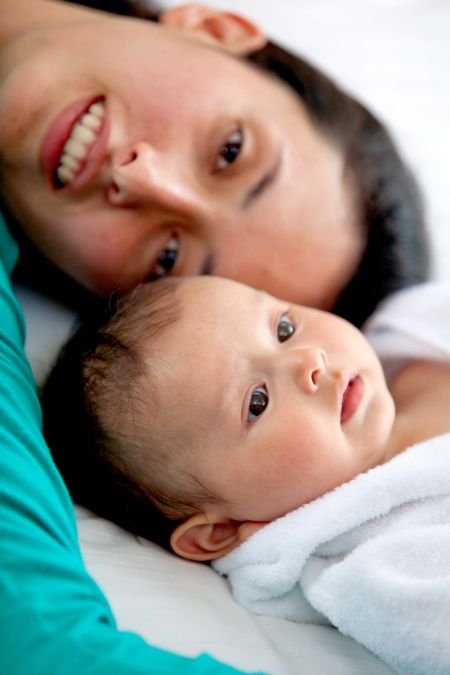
204 409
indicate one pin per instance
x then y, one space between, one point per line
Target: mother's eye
285 329
259 400
230 150
166 259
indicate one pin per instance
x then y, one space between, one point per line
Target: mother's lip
352 394
57 135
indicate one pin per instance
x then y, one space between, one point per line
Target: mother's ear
206 537
225 29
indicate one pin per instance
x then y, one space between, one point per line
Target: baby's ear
206 537
230 31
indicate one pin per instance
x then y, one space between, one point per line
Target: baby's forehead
211 289
204 284
204 307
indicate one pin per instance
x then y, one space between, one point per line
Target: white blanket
372 558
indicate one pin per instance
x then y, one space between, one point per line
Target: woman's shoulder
413 302
12 325
411 324
419 310
9 251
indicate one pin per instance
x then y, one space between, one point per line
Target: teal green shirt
53 616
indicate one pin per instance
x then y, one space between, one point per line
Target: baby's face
275 403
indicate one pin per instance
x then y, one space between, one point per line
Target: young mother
130 150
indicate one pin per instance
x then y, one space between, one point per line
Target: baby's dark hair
98 406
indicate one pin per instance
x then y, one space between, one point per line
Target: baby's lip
351 393
58 133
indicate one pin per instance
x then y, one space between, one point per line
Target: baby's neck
421 392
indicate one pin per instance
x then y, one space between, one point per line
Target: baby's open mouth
76 149
351 398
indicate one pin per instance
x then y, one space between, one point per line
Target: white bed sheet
395 55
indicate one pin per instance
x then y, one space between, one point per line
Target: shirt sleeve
54 618
411 324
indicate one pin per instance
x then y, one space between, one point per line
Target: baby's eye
166 259
285 329
230 150
259 400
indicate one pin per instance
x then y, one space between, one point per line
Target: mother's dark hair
396 253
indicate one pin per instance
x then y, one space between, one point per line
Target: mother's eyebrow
254 192
263 183
208 266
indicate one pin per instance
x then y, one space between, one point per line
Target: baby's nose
310 364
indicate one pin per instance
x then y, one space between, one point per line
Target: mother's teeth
70 162
91 121
64 173
98 109
83 134
79 142
75 148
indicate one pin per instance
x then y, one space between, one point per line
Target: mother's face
181 159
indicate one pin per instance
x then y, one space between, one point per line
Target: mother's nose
142 175
308 364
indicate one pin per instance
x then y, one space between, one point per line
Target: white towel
371 557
